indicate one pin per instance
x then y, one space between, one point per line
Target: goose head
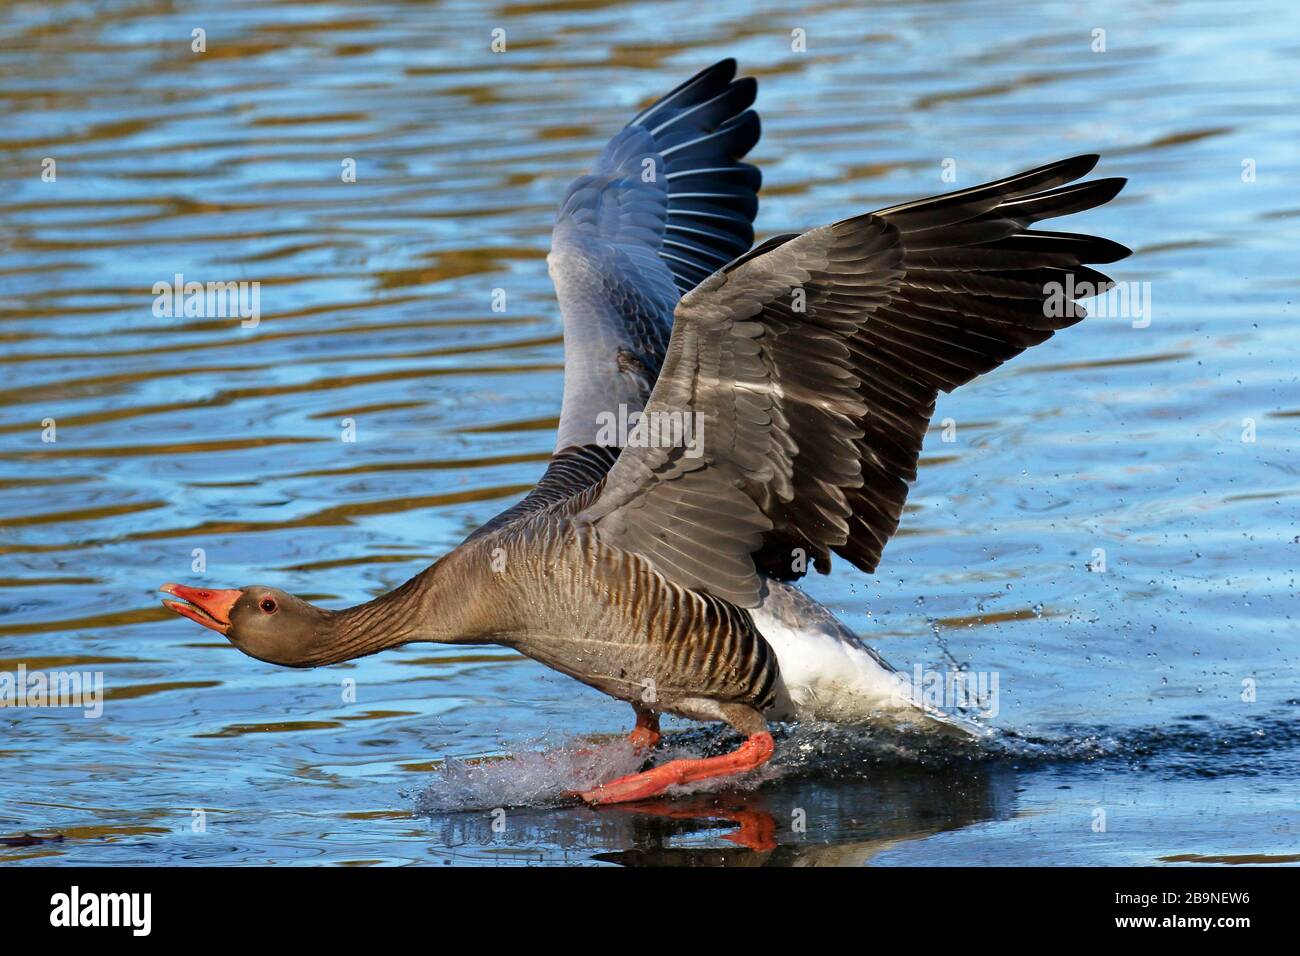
263 622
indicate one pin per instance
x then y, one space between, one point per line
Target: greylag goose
784 392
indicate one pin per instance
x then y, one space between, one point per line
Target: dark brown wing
811 368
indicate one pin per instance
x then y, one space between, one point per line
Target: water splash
535 777
530 777
548 777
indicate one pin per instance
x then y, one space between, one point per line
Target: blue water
1146 712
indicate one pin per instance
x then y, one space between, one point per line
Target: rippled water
1121 691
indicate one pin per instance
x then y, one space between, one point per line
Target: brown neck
440 604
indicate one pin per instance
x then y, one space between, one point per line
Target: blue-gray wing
667 203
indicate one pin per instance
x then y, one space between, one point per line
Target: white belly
828 674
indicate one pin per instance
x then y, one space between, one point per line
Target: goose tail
829 674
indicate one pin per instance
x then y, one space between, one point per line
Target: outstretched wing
811 368
664 206
667 203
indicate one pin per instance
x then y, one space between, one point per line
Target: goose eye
268 605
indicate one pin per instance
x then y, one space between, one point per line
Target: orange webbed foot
754 752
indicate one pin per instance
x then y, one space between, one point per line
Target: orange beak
207 607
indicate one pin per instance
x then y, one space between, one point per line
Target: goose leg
643 738
646 733
754 752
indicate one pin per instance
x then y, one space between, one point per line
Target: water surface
1148 710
